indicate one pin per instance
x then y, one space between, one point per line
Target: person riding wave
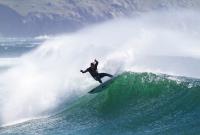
94 73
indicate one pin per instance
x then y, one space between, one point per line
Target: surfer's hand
81 71
95 60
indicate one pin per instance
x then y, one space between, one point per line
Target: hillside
32 18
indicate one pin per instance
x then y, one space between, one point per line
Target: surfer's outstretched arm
84 71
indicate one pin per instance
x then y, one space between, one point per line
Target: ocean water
134 103
155 58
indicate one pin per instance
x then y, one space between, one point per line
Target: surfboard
101 87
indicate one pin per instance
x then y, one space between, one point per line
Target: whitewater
155 56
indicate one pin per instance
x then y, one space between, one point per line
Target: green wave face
134 103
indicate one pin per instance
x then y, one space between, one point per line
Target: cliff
32 18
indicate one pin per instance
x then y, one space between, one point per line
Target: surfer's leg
101 75
97 78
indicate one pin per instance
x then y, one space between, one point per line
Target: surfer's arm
96 63
84 71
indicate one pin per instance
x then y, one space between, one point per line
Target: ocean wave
139 103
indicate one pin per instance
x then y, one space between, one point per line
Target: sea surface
134 103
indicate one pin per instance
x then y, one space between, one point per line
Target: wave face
139 103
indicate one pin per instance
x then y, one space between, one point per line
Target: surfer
94 73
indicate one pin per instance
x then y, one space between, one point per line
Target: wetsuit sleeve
96 63
84 71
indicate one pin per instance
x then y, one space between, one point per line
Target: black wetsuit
94 73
